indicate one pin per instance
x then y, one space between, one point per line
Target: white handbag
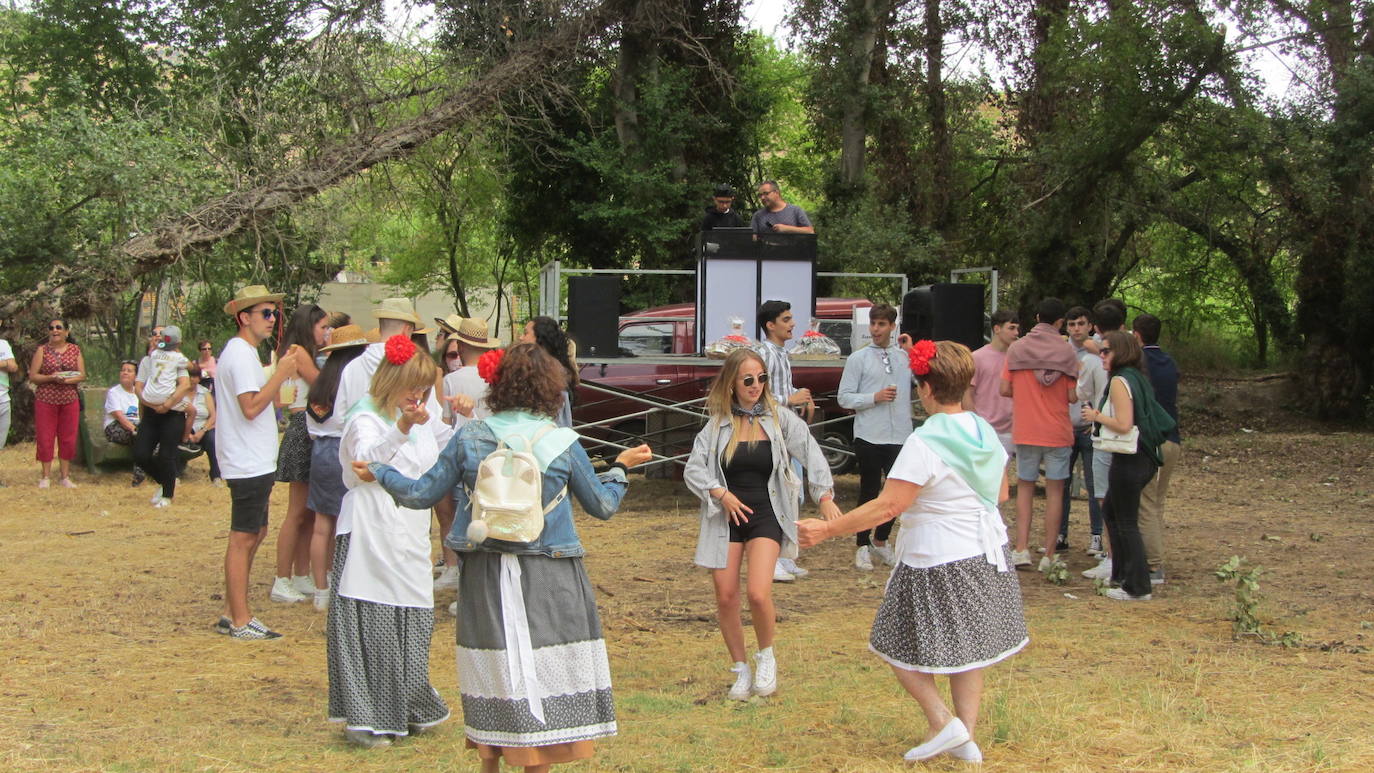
1104 439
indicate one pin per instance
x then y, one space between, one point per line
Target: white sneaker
744 680
447 579
284 592
1045 563
951 736
157 496
1095 545
1020 558
885 553
969 752
1103 570
367 738
1120 594
453 609
162 502
790 566
765 673
862 560
321 596
781 575
304 584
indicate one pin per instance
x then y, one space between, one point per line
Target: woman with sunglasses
56 369
1129 403
206 361
741 468
381 611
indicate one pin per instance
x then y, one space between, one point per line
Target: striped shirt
779 370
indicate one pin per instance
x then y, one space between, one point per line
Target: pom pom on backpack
477 532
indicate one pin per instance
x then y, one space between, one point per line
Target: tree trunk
862 17
941 154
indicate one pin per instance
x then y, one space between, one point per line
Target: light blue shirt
866 373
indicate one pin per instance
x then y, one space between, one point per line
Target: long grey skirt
378 662
949 618
569 655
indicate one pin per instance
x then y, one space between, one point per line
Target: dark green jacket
1154 422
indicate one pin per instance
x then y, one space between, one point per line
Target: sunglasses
451 355
268 313
887 361
206 349
56 327
762 379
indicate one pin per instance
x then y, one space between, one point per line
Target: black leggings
1127 477
155 446
875 461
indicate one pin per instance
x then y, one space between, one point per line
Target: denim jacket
456 472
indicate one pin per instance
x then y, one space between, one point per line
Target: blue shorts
1056 460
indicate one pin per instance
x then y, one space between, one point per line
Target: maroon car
659 366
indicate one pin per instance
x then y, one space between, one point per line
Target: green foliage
1057 573
1244 614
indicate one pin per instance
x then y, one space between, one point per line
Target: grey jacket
704 472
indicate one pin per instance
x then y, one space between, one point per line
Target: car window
839 330
647 338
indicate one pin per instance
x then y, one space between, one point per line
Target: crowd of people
377 433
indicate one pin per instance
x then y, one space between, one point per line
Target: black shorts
761 523
248 499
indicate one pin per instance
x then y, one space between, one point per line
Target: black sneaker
254 630
1062 544
189 448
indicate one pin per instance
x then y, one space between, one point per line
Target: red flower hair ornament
399 349
922 352
489 365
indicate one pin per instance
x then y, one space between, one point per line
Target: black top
714 219
747 475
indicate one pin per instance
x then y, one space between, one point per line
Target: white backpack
507 502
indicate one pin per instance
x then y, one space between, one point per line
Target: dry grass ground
109 661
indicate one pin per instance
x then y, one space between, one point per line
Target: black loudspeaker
594 315
945 312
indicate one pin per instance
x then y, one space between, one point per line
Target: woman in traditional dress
952 605
532 665
381 614
741 469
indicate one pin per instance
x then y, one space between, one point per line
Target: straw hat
374 336
473 332
251 296
449 324
346 336
402 309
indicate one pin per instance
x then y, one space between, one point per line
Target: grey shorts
1056 459
248 499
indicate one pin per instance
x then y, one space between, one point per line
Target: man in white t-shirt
247 447
473 342
8 365
162 384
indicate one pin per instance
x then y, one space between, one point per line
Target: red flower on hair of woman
489 364
399 349
922 352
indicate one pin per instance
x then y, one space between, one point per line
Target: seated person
121 413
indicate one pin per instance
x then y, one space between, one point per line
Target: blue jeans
1082 450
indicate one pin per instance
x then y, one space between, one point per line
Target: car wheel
840 463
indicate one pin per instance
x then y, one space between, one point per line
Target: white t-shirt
245 449
944 522
198 398
159 373
117 399
465 381
6 353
